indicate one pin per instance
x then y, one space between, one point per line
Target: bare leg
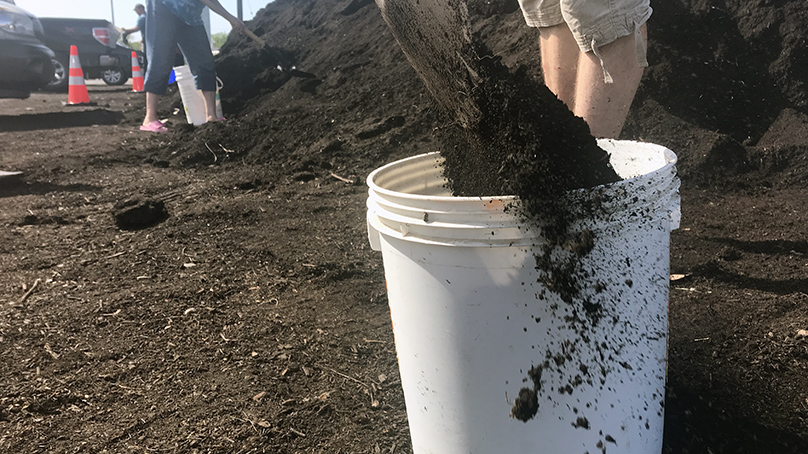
210 105
151 108
605 106
559 62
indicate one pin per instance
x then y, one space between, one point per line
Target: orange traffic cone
137 74
76 90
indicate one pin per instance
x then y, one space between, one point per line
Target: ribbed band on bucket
409 198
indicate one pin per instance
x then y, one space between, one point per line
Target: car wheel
114 76
60 77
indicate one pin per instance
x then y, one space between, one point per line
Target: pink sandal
155 126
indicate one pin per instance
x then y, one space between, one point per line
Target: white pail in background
193 101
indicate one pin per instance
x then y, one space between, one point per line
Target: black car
25 63
100 54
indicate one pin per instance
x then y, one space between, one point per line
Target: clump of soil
525 143
526 404
137 214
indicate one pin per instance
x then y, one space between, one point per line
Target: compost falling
503 132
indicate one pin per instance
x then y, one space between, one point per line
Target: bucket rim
439 218
405 195
671 160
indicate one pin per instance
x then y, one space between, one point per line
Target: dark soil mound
720 76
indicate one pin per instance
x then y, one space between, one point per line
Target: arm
140 25
217 8
126 32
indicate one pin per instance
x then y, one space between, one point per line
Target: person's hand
237 25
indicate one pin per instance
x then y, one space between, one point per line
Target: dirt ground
251 316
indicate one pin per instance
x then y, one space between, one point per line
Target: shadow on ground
58 120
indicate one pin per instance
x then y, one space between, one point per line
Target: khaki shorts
593 23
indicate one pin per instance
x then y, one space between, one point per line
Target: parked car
25 62
100 54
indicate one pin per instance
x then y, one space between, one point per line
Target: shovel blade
435 36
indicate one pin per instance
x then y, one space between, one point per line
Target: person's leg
603 105
610 37
195 46
160 44
559 50
151 108
559 62
210 106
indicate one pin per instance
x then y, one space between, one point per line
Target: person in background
593 53
140 26
179 22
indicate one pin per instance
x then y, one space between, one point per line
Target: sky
124 10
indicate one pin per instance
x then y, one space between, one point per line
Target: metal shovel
435 35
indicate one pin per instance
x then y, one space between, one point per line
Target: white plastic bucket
193 101
471 318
